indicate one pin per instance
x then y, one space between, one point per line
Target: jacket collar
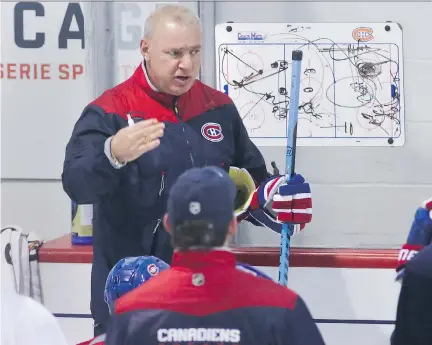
141 77
144 69
197 259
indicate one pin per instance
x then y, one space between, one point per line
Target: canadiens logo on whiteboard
212 131
363 34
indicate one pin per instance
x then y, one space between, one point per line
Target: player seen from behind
202 297
414 310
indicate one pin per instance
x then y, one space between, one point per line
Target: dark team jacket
204 299
203 128
414 310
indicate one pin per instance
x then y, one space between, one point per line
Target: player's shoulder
422 262
209 93
264 291
153 287
265 283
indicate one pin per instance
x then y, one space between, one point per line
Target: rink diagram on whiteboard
351 90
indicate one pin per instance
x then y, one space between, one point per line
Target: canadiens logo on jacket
175 335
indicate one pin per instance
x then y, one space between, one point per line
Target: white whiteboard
351 90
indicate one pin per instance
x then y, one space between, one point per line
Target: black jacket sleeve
414 311
247 155
301 327
87 173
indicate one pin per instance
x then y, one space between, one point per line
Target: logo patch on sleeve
212 132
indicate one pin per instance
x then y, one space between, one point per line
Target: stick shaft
292 120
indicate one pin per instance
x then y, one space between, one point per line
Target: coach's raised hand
131 142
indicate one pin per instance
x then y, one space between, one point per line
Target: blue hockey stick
287 230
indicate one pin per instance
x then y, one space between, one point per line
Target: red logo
363 34
152 269
212 132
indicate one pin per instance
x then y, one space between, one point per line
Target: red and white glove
277 201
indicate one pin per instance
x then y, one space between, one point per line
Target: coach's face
172 56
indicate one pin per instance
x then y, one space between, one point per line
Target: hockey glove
419 236
277 201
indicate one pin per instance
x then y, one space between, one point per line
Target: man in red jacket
130 145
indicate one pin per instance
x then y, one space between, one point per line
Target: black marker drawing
347 90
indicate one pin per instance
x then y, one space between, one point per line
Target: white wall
363 197
37 115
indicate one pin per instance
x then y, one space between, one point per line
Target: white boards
351 91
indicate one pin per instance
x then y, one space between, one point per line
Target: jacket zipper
155 237
162 184
176 112
157 226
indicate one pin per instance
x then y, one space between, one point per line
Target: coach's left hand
292 202
277 201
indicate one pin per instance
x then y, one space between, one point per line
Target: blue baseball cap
204 194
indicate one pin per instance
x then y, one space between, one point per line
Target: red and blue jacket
204 299
202 127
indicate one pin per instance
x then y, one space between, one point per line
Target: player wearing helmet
126 275
203 297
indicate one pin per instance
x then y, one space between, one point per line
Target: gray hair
176 12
